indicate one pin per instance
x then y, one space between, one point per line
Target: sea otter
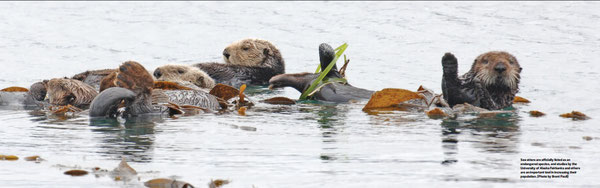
334 92
131 86
93 77
64 91
249 61
184 73
491 83
57 91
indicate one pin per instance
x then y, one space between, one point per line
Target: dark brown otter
334 92
249 61
132 86
491 83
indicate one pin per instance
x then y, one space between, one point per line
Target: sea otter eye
181 71
484 62
70 99
511 62
245 48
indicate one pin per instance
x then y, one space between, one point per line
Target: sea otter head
187 73
497 69
254 53
63 91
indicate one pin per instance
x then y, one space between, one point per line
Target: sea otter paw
449 64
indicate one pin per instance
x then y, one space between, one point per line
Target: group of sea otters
130 89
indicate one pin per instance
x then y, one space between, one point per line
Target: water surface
391 45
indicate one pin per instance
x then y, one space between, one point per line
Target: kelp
390 97
15 89
520 100
575 115
313 86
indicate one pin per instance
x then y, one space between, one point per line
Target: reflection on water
498 134
311 144
331 122
134 138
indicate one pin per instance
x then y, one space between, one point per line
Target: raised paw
449 64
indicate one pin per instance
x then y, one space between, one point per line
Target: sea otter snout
500 68
226 53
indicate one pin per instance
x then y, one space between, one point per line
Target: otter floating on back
249 61
491 83
334 92
131 86
184 73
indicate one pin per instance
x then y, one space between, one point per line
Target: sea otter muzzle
226 54
157 74
108 101
500 68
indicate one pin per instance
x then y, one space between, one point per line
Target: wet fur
62 91
250 61
483 86
186 73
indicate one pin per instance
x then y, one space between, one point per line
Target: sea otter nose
226 54
500 68
157 73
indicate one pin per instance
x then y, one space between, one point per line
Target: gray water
391 45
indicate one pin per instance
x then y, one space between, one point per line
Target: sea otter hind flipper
108 101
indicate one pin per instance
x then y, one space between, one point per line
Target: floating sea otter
491 83
131 86
334 92
184 73
58 91
249 61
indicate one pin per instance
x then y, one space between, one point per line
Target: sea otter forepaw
449 63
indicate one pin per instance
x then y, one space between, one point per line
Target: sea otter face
187 73
248 52
62 91
497 69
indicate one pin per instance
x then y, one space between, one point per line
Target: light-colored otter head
250 52
62 91
176 73
497 68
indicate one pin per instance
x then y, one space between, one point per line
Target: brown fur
249 52
62 91
187 73
492 82
133 76
484 64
